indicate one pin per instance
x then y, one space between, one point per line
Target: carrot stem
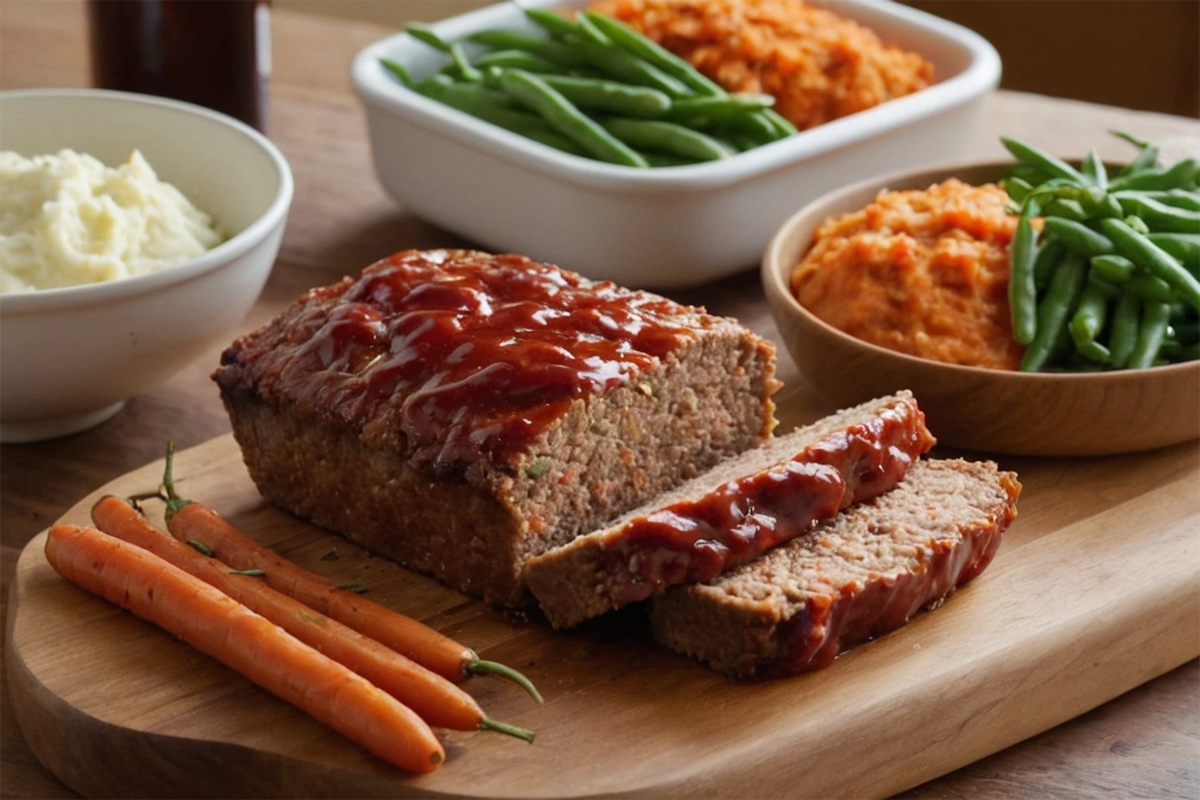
246 642
174 501
437 700
502 727
478 666
198 524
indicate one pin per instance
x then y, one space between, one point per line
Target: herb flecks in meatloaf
458 411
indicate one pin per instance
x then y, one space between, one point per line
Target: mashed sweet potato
921 272
818 65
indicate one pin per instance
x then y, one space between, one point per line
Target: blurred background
1142 54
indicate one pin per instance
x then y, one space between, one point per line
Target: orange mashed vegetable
819 66
920 272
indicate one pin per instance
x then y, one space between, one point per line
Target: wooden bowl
985 410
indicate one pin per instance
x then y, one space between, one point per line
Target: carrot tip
480 667
486 724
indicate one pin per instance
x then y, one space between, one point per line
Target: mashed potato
68 219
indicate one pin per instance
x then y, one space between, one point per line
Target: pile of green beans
1112 281
595 87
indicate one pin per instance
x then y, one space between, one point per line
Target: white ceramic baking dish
659 227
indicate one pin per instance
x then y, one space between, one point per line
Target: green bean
782 124
1048 255
1184 246
1090 315
555 52
1114 268
1146 254
708 111
534 93
519 59
1016 188
1053 312
426 35
1029 154
665 137
1028 173
604 95
622 66
1123 333
1151 287
664 160
742 140
1145 159
461 66
1094 351
1141 144
1160 216
398 70
1105 206
653 53
1180 175
1180 198
498 109
588 30
735 112
1065 209
1079 238
555 25
1151 332
1022 291
1093 169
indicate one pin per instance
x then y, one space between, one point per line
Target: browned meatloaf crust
734 512
458 411
852 578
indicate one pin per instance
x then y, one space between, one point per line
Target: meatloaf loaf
458 411
734 512
852 578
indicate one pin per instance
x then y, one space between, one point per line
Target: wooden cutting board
1096 589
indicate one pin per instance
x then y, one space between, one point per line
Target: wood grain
1027 646
1145 743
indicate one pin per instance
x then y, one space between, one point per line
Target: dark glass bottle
216 53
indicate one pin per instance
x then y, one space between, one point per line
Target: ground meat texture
818 65
734 512
459 411
922 272
852 578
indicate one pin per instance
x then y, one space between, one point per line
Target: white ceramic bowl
70 357
660 227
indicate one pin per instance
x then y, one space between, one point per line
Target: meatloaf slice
852 578
458 411
734 512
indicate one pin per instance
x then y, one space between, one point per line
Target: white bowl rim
380 90
775 276
228 250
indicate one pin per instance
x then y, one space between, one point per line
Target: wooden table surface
1145 743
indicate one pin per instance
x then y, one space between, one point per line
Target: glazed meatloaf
458 411
852 578
734 512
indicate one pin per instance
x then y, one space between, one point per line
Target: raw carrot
438 701
200 525
215 624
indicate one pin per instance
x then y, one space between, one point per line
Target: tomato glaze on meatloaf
458 411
